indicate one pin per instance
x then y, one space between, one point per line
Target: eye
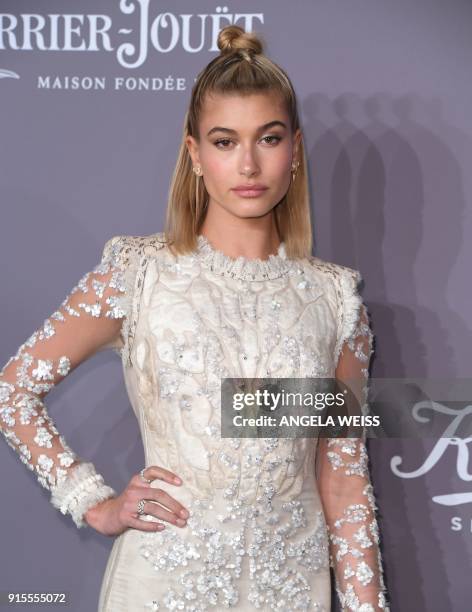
217 142
277 138
221 141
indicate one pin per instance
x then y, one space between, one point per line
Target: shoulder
343 278
344 282
123 249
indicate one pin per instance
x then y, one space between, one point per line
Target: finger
155 472
168 502
136 523
161 513
156 500
160 496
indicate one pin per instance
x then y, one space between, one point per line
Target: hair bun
233 38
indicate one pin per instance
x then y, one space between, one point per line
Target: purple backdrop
86 152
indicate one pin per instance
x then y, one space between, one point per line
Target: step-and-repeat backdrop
92 100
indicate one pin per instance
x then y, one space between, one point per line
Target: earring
197 170
295 169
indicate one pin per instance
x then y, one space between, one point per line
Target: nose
249 165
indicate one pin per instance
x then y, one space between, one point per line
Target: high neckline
243 268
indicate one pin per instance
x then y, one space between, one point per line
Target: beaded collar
241 267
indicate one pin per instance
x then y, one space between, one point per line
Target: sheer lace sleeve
343 470
88 320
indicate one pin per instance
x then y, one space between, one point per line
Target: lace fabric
89 319
343 471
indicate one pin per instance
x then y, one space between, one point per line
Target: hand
113 516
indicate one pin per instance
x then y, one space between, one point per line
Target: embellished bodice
204 317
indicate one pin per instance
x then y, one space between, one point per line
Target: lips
250 188
249 192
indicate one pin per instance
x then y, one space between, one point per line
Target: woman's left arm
347 493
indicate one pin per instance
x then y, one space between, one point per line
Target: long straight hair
241 68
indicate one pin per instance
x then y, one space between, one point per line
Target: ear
192 147
297 137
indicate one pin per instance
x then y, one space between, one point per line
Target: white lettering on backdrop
83 32
447 439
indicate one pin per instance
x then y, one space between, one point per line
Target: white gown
268 517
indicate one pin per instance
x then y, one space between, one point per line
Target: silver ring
141 506
141 473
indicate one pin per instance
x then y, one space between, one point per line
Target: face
245 140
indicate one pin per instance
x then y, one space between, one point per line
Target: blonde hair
240 68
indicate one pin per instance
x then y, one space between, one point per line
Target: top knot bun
233 39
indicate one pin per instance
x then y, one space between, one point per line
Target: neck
251 238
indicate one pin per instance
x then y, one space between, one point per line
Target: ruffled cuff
82 489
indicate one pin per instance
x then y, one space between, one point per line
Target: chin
251 211
254 206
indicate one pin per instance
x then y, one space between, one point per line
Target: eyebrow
266 126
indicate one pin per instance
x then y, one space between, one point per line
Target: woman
230 289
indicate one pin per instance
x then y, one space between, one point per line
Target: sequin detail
351 520
209 558
205 324
222 324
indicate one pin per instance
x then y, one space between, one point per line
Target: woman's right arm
89 319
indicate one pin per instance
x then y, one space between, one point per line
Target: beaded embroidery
351 520
208 334
211 558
